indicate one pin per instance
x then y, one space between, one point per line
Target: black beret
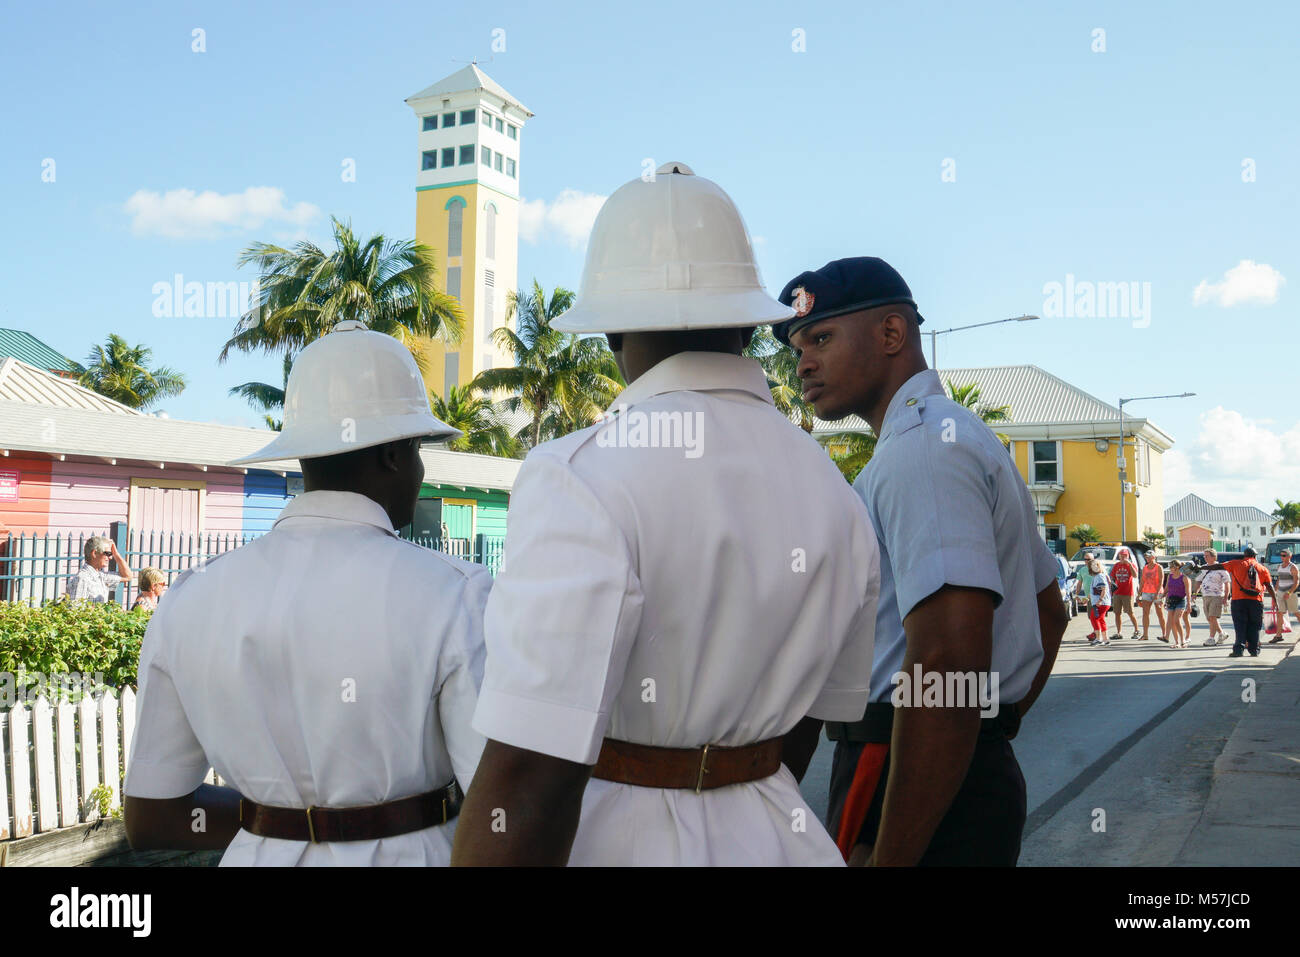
845 285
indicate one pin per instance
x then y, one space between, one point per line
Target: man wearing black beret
968 594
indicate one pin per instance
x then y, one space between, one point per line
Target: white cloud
1247 281
568 217
1235 460
185 214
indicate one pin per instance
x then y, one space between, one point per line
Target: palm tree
467 409
390 285
266 398
780 364
121 372
969 396
1287 516
561 380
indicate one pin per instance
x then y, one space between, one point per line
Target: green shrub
81 636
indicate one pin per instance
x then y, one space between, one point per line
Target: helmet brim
314 444
668 311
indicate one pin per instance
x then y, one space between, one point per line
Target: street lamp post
1122 462
934 362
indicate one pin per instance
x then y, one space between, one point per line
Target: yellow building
1066 445
467 210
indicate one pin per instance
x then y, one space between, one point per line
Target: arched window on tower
490 211
455 221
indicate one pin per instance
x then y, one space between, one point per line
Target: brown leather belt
699 769
319 825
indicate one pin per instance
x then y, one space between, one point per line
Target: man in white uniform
328 671
684 583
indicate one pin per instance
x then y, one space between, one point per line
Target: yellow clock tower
467 209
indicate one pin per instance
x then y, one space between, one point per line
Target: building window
450 374
449 156
487 360
485 156
490 230
466 117
455 220
430 123
1223 530
512 131
429 159
448 119
487 118
453 281
498 163
499 124
510 168
466 154
1046 464
488 310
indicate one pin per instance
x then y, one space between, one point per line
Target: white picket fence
55 755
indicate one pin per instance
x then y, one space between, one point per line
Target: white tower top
470 129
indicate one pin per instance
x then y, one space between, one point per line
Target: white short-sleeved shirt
714 590
91 584
326 663
1215 583
950 508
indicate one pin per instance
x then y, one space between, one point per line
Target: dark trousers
1247 620
983 825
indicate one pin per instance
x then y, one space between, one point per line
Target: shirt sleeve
561 619
461 673
167 760
1044 563
934 509
848 687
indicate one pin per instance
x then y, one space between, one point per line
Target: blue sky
1122 165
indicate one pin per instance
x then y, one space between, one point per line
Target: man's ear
893 332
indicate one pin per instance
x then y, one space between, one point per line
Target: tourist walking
1151 582
1176 591
1122 576
1098 603
1213 589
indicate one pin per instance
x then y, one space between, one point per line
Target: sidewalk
1252 816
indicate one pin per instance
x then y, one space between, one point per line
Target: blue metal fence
35 568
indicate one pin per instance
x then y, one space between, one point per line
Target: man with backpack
1248 578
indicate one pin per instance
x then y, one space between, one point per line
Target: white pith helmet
672 253
349 390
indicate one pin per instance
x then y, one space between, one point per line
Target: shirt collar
924 383
340 507
698 372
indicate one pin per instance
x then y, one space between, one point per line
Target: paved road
1123 737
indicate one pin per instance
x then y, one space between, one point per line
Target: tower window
490 230
466 117
485 156
512 131
448 119
449 156
487 118
487 360
450 373
455 219
453 281
466 154
510 168
488 311
430 123
499 124
498 163
429 159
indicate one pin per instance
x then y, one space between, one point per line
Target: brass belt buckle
311 828
699 780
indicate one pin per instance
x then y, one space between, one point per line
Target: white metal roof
467 80
1193 508
28 427
20 382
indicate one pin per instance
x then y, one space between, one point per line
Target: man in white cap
689 587
328 671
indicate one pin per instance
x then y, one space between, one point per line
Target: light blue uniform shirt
950 508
